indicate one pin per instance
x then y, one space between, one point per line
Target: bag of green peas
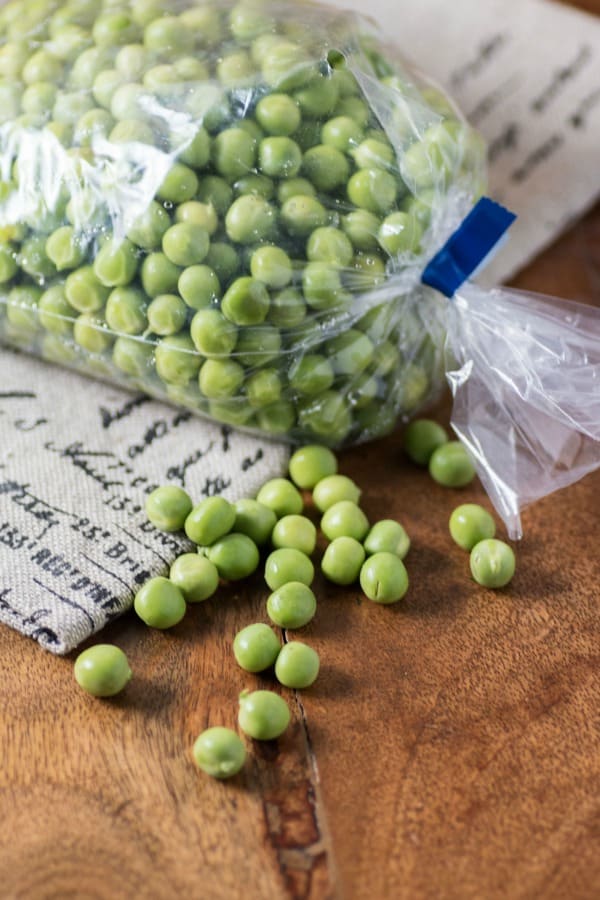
231 206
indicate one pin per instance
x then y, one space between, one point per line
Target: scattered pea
342 560
492 563
159 603
256 647
451 466
291 605
297 665
168 507
421 438
383 578
263 715
210 520
387 536
281 496
195 576
296 532
219 752
235 556
333 489
288 565
469 524
102 670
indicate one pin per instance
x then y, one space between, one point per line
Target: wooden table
450 749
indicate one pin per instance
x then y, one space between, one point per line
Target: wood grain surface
450 748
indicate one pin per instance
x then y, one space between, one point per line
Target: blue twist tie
468 247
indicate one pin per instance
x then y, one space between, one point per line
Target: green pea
168 507
291 605
8 264
209 520
421 438
219 751
216 192
185 244
147 230
39 98
376 153
287 309
223 259
326 167
294 187
221 378
195 576
263 715
344 519
296 532
254 519
263 388
102 670
278 418
114 28
212 334
180 184
492 563
278 114
235 556
89 331
236 70
195 213
33 259
387 536
311 374
272 266
372 189
250 219
342 560
319 97
288 565
168 34
246 302
22 308
233 153
400 233
258 346
301 214
333 489
116 263
205 24
256 647
351 352
329 245
176 359
248 22
55 311
362 228
310 464
132 356
132 61
327 417
285 66
383 578
84 291
42 66
281 496
321 285
341 132
254 184
451 466
471 523
166 314
159 603
279 157
297 665
159 275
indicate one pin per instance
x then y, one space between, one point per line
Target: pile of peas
230 538
200 202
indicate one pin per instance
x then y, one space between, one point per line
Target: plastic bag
231 207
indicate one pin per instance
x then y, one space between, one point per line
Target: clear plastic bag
231 207
228 206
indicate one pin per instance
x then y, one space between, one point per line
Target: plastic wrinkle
524 371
